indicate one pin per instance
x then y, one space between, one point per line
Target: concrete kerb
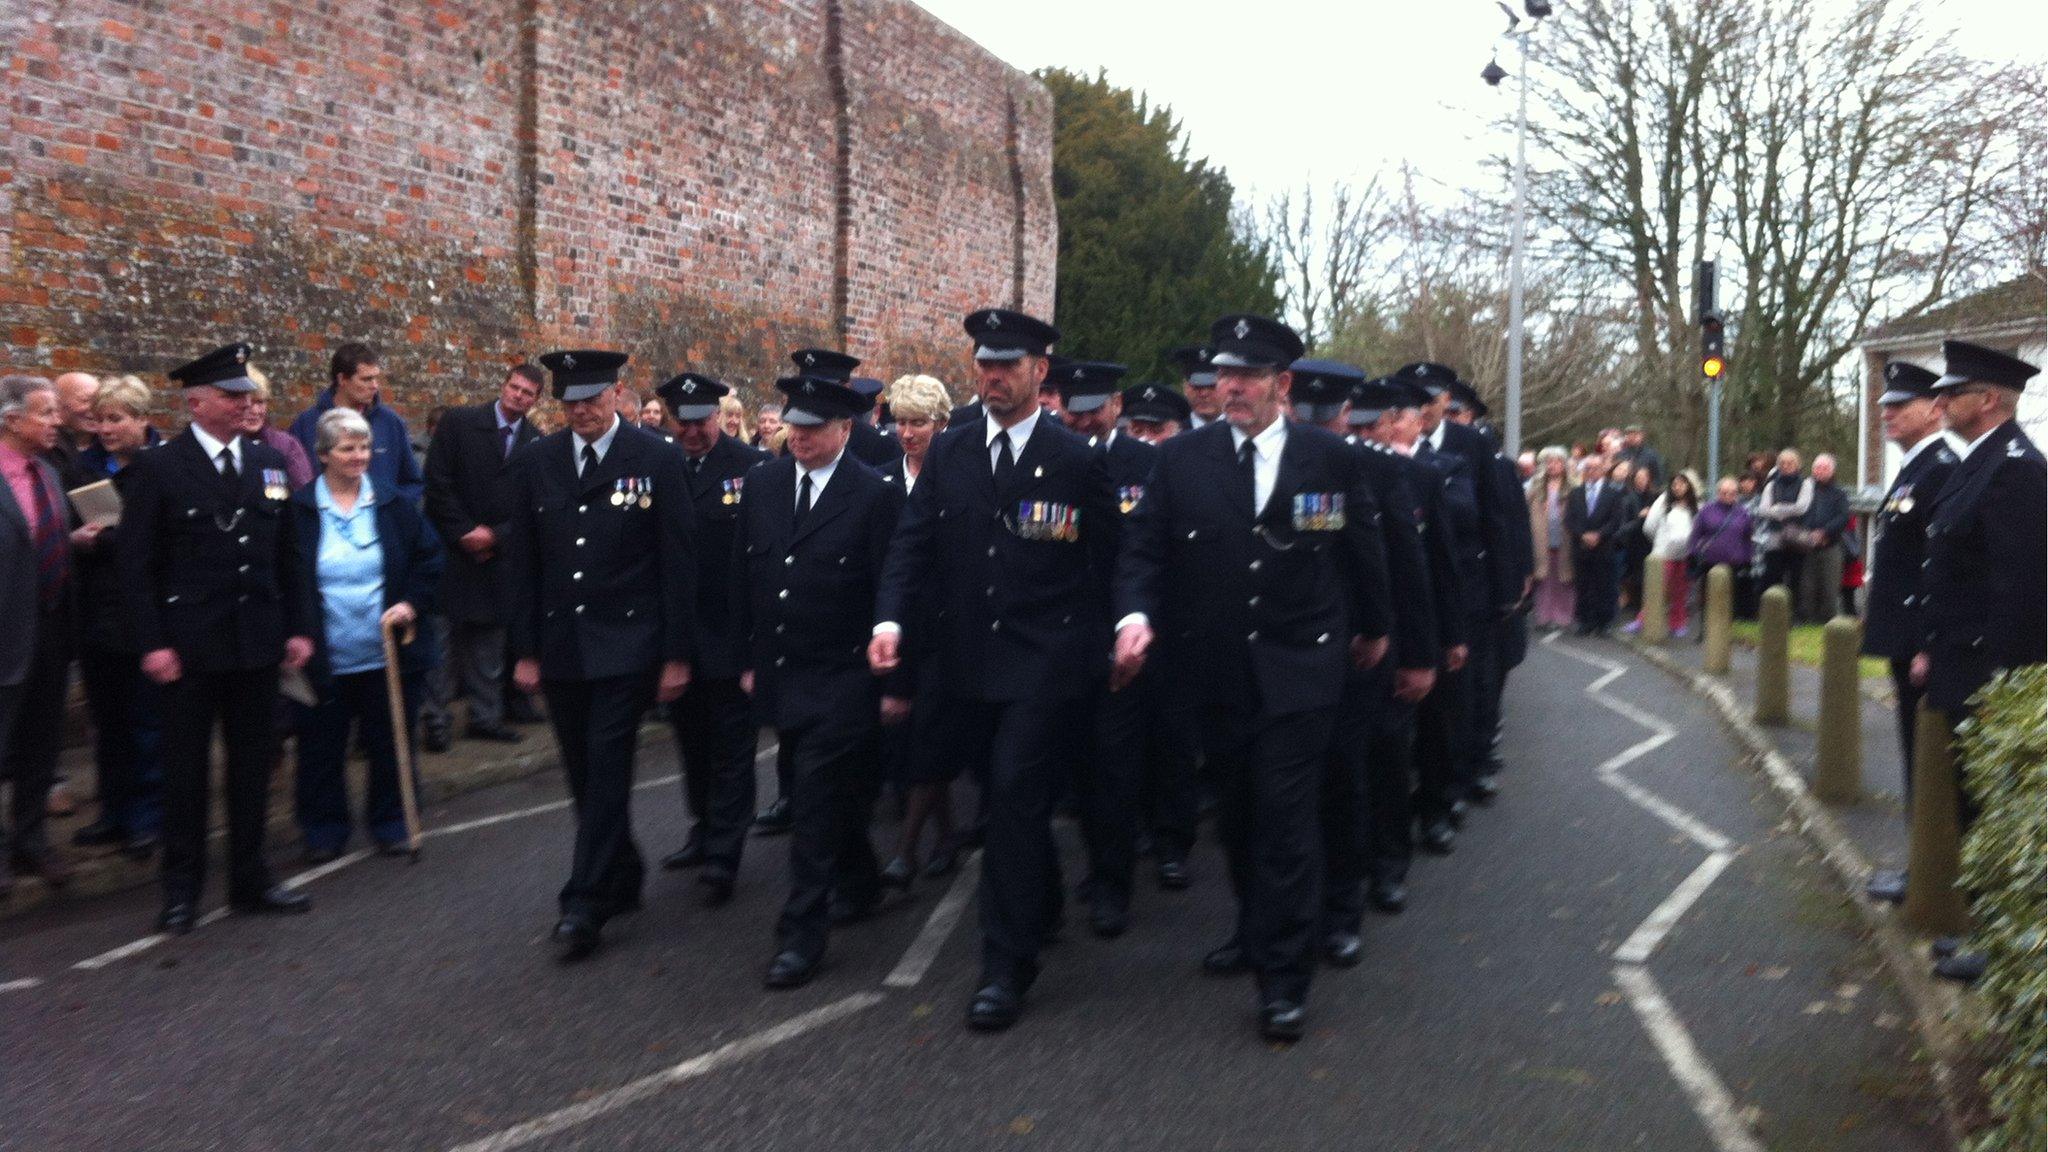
1944 1016
107 874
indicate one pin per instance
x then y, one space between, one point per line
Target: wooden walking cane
401 738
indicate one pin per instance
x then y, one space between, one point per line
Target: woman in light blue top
373 561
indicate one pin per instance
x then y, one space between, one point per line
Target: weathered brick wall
467 182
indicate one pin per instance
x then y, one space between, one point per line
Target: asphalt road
418 1007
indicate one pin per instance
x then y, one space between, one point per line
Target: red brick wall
468 182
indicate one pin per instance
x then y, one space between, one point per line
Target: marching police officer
714 727
813 535
604 621
1353 776
1013 528
211 569
1515 549
1198 381
1892 621
1255 563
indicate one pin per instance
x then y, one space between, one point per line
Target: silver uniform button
788 560
1253 638
995 626
579 609
782 595
575 575
579 541
1255 565
1252 603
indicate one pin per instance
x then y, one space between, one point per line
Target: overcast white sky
1278 91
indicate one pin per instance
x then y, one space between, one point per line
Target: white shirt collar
820 476
1266 444
1963 452
1020 432
1436 438
212 447
603 443
1925 441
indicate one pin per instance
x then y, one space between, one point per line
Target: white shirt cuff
1133 618
888 628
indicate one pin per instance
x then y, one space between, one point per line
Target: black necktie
589 460
1004 461
511 432
803 498
1248 474
227 465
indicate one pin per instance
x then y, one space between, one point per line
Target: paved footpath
1630 950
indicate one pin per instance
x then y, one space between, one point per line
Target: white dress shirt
1266 448
1963 451
602 444
212 448
820 477
1020 435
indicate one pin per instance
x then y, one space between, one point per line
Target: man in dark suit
714 726
1388 415
1255 560
214 591
1593 517
1012 531
35 653
1354 778
813 535
1984 595
471 505
1892 626
603 622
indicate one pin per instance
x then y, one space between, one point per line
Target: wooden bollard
1720 617
1656 621
1934 905
1773 669
1838 770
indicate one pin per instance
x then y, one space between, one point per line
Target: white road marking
1643 942
1710 1099
21 985
925 949
654 1085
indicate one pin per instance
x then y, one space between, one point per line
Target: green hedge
2005 862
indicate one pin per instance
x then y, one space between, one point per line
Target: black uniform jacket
801 605
1985 595
467 486
871 446
603 569
1499 502
1015 583
1416 644
211 567
718 490
1892 625
1256 612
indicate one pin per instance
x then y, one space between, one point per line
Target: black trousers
597 729
1908 706
714 729
127 738
1169 782
31 734
1482 700
1347 793
1015 746
1598 598
244 705
1439 742
835 777
1106 781
1390 790
1271 770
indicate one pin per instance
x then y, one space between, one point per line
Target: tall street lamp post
1493 75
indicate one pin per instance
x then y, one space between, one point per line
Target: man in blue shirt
355 375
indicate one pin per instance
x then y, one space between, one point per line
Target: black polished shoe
1964 967
1107 918
1945 947
1389 896
177 918
495 733
845 911
1283 1021
1227 960
1173 875
324 854
100 833
996 1006
1343 949
690 855
789 970
1887 886
1437 837
898 874
1485 788
718 882
276 900
577 936
775 819
436 738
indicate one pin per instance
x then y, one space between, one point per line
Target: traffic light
1713 356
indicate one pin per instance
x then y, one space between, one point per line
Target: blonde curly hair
918 396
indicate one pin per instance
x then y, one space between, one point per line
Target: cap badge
568 361
809 387
992 323
809 359
1243 329
241 357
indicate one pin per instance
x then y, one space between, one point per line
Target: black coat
211 569
1606 518
467 485
1460 524
870 446
803 601
717 492
1892 625
1500 503
1986 592
601 589
412 573
1015 612
1255 612
102 597
1439 551
1416 644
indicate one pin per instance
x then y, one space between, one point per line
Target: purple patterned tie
53 559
